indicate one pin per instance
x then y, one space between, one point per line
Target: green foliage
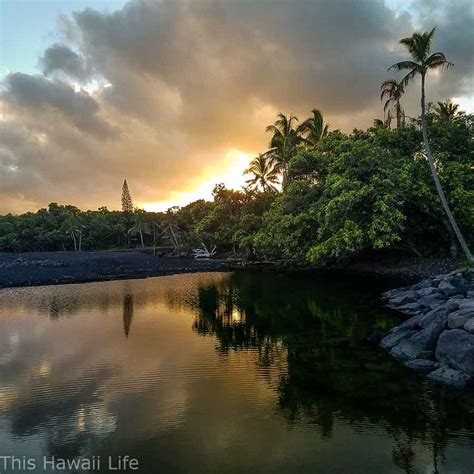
348 193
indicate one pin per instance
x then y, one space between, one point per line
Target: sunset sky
174 95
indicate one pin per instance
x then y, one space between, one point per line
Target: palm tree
392 92
265 173
314 128
419 47
284 142
446 111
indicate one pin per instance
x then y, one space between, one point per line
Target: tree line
315 195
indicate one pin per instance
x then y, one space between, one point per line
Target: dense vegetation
341 194
367 190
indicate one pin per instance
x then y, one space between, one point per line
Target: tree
419 47
283 143
392 92
446 111
313 128
265 173
140 226
127 203
378 123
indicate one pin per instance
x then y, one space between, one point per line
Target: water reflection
127 313
220 373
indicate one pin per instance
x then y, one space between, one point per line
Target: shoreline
53 268
58 268
437 338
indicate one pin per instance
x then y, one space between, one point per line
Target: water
220 373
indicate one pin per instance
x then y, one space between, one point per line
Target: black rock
422 365
456 349
452 377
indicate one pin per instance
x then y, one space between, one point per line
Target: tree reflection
127 313
331 373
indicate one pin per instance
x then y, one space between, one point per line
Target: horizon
182 104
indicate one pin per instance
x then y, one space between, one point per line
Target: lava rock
422 343
452 377
459 318
469 326
422 365
456 349
394 337
437 314
430 290
431 301
410 308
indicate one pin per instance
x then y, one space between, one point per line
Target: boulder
459 283
430 290
410 308
456 349
439 313
403 298
431 301
451 305
424 284
467 304
447 288
448 376
394 337
422 365
412 323
459 318
420 345
469 326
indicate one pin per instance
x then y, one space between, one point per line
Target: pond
219 373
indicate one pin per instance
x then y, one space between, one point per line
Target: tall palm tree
419 47
313 128
265 173
284 142
392 92
446 111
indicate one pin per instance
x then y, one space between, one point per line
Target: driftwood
204 252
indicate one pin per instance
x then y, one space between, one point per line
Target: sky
175 95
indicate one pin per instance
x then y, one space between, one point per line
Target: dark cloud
187 80
32 93
59 58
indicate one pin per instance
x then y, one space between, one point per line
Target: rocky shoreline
437 340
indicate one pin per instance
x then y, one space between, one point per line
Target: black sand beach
43 268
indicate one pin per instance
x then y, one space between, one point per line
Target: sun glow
232 166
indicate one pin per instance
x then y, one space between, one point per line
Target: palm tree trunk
141 239
439 189
399 114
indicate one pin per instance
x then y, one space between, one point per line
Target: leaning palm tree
392 92
284 142
265 173
419 47
313 128
446 111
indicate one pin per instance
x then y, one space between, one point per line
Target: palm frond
404 65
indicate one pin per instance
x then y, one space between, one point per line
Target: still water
220 373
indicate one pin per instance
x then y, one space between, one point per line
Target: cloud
59 58
36 93
185 81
